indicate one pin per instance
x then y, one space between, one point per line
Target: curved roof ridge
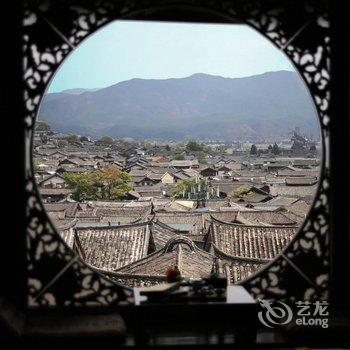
163 251
135 224
241 258
170 244
195 248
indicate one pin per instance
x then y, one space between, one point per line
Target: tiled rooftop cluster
135 240
197 242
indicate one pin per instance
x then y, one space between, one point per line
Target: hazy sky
124 50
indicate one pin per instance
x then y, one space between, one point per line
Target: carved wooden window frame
52 29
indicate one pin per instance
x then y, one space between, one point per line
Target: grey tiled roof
228 216
170 206
179 251
301 181
70 208
254 242
134 211
282 201
298 173
123 220
264 217
65 229
68 236
192 218
299 191
112 247
299 208
237 270
161 233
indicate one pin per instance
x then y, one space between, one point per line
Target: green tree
108 183
127 153
81 185
275 149
253 150
241 191
183 186
112 182
42 126
193 146
62 143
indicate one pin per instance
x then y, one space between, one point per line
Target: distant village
134 209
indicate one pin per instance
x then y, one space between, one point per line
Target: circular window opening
169 149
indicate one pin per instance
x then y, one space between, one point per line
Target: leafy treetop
194 146
241 192
253 150
71 138
183 186
275 149
42 126
108 183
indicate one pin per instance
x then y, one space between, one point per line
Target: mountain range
201 106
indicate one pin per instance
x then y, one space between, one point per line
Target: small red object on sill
173 274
